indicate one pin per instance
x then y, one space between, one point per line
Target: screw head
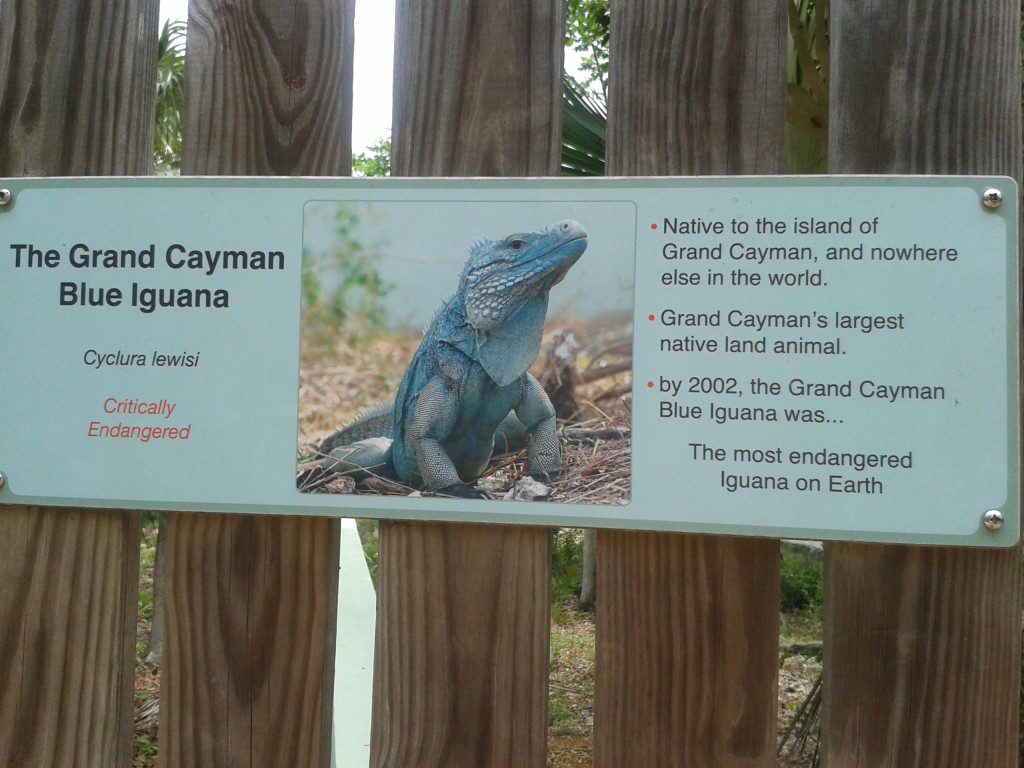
992 198
5 197
993 519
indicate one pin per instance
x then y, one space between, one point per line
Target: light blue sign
808 357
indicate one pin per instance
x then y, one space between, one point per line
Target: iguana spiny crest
502 275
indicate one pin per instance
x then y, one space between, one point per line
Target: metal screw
5 197
3 480
992 198
993 519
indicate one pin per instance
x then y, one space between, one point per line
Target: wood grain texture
250 617
77 87
925 87
461 669
699 88
922 645
478 87
249 641
922 657
687 626
269 88
76 97
68 597
687 650
464 610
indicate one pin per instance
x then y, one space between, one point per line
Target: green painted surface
353 666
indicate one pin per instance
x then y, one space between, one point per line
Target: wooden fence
922 648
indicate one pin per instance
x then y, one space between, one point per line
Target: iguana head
502 276
504 288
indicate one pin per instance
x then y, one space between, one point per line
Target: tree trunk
588 590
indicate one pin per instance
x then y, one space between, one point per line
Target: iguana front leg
436 413
543 452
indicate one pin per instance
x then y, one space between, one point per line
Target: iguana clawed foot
548 478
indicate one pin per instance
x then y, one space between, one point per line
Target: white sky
393 233
374 62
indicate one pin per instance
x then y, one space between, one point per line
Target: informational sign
809 357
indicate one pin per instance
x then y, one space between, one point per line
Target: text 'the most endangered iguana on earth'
467 387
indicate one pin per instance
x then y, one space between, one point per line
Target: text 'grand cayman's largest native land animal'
467 386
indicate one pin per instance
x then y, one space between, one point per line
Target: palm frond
584 119
170 84
585 114
807 89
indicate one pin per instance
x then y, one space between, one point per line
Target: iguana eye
515 245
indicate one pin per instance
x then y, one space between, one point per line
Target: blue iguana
467 388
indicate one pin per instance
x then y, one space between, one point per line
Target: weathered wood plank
922 645
699 88
249 642
68 597
463 610
687 626
69 578
687 650
77 87
251 601
460 674
269 88
478 88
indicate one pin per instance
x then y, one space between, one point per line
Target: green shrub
342 291
566 564
802 582
369 537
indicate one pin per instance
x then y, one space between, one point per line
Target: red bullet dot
650 384
650 317
654 226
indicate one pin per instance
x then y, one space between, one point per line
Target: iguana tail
376 422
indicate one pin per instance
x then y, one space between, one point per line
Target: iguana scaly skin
467 392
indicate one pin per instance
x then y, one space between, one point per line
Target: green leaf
584 123
376 161
170 99
802 100
808 72
804 124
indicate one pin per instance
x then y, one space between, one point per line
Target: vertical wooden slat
922 645
251 600
463 610
687 626
76 98
77 86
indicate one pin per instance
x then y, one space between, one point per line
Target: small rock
528 489
492 485
340 484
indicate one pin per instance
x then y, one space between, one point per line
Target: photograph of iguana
513 391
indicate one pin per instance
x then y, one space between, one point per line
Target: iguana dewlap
467 392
